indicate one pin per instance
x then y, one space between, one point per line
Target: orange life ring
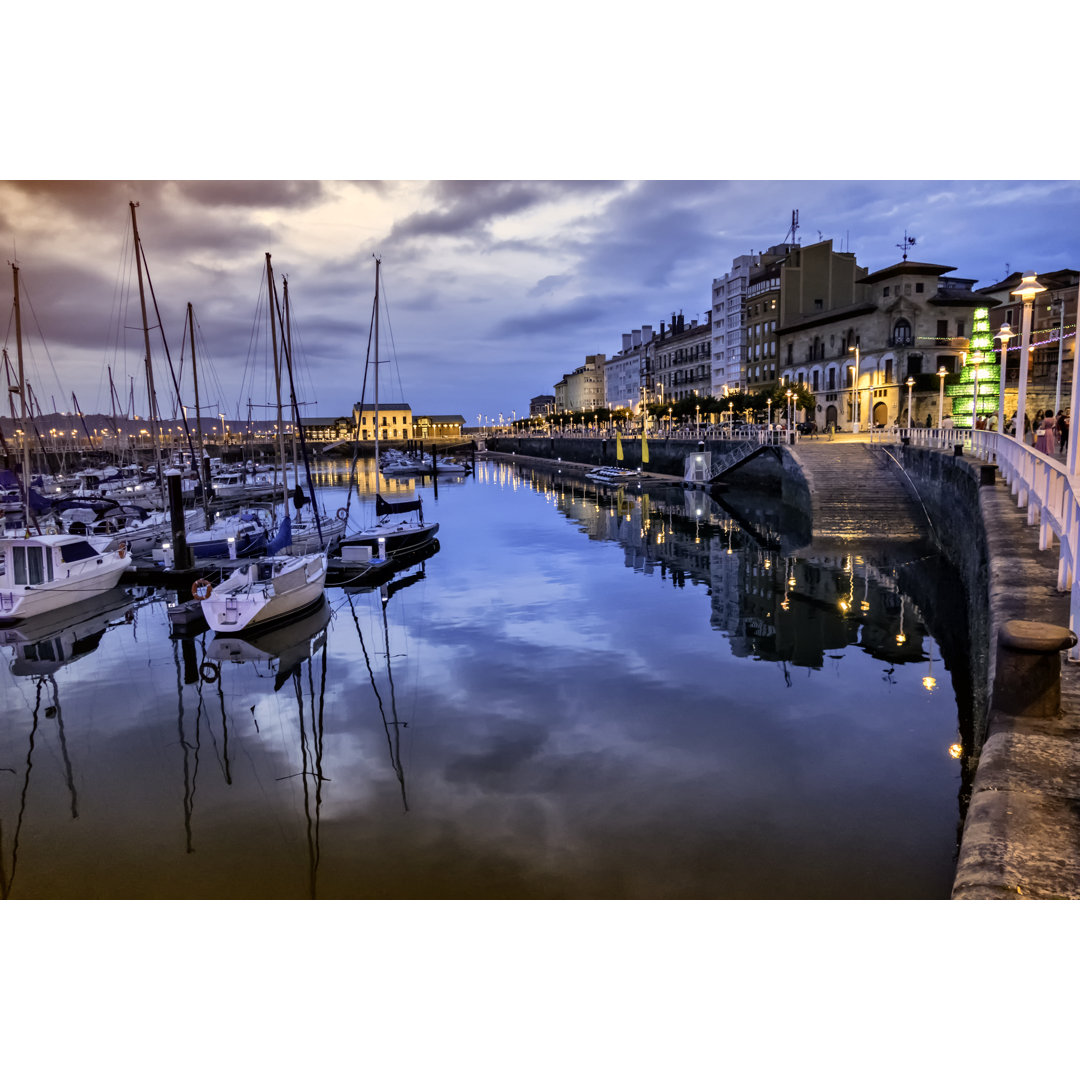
201 589
122 549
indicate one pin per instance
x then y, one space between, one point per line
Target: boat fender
122 549
201 589
342 513
209 672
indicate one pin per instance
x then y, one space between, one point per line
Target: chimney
693 324
646 334
635 337
626 342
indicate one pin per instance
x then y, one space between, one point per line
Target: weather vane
909 242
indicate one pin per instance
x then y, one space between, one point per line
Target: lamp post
942 372
910 384
975 362
855 392
854 401
1003 335
1061 343
1029 289
789 395
221 417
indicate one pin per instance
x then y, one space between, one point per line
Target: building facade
681 364
622 373
728 294
583 388
909 320
395 421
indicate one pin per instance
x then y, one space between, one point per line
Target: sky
493 289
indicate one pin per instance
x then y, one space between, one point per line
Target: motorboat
610 476
52 570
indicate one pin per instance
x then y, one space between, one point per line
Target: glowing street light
1028 290
1003 334
942 372
910 384
855 391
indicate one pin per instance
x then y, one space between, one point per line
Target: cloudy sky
493 289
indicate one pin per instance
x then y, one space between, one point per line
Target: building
761 316
542 405
442 426
583 389
622 373
728 294
395 421
909 320
327 428
681 365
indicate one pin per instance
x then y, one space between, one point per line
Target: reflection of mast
191 768
313 820
392 742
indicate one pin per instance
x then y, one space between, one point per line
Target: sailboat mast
154 435
377 264
288 361
272 299
22 397
200 469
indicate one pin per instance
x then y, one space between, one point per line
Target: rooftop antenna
909 242
794 227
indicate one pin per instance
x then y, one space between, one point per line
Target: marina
580 692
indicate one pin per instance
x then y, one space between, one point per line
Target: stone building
907 320
680 364
395 421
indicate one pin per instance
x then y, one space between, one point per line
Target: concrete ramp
858 493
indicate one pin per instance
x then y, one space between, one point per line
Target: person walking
1044 437
1061 429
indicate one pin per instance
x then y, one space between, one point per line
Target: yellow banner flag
618 447
644 450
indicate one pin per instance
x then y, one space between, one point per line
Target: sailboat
46 571
392 534
277 587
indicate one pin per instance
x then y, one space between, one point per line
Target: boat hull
398 539
246 600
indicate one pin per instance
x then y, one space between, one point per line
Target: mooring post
181 551
1027 676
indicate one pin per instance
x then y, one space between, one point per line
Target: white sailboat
43 572
392 534
277 587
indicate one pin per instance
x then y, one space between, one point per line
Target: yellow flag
618 447
644 450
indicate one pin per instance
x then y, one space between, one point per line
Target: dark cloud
253 194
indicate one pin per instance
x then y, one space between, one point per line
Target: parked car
807 427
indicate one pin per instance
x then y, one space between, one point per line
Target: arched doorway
881 413
830 417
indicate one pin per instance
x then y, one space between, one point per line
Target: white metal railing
1041 484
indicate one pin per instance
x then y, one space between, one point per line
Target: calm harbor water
582 694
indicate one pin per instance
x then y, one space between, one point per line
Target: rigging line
45 345
393 344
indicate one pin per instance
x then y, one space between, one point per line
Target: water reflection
645 692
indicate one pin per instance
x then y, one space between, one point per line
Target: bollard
958 450
987 475
1027 678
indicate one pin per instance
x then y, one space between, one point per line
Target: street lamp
942 372
910 384
1029 289
855 392
789 395
1003 334
975 361
854 400
1061 343
221 417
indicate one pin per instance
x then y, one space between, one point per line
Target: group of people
1051 432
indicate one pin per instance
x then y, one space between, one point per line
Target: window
943 328
959 327
832 378
918 286
885 291
819 305
815 377
914 364
902 332
907 288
